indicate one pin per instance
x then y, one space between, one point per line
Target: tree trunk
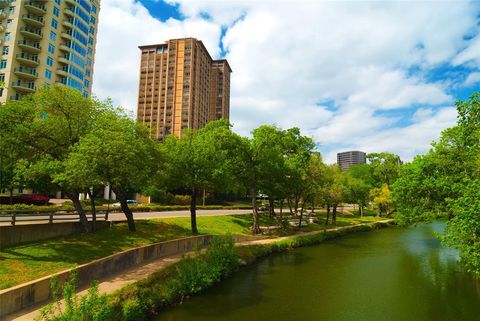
328 214
78 207
91 194
361 210
334 215
122 197
193 211
313 206
301 214
297 200
281 209
289 201
256 224
11 196
271 206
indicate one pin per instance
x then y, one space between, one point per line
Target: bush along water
191 275
168 287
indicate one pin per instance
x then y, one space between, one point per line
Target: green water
394 274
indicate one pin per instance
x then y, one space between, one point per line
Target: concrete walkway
140 272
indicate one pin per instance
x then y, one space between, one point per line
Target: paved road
115 217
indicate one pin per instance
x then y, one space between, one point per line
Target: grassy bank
190 276
19 264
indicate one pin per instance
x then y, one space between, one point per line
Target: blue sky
374 76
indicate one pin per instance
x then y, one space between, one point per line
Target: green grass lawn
19 264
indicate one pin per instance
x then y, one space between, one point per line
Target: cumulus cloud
337 70
472 79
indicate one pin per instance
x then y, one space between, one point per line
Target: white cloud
472 79
471 54
334 69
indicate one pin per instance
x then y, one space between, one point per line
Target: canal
393 274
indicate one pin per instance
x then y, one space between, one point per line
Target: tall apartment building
47 42
350 158
181 87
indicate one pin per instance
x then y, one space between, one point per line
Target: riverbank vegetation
445 182
170 286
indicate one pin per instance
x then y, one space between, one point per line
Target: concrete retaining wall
38 291
13 235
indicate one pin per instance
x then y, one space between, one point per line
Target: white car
129 203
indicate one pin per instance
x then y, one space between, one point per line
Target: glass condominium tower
45 43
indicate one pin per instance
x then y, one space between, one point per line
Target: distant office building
47 42
348 159
181 87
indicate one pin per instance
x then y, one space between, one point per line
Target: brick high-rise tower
181 87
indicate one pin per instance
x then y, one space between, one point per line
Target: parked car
129 203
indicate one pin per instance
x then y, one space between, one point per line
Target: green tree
201 160
56 119
444 182
117 152
357 192
385 167
463 230
297 151
258 158
382 198
333 191
12 150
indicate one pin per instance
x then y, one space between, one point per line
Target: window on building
89 51
11 10
51 48
86 83
48 74
92 19
5 50
92 30
94 9
9 23
50 61
90 41
2 77
54 23
53 36
56 11
3 63
57 1
7 36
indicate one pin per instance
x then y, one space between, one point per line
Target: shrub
91 307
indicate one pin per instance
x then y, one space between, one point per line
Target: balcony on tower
30 46
27 59
35 7
31 33
24 86
33 20
63 71
27 73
